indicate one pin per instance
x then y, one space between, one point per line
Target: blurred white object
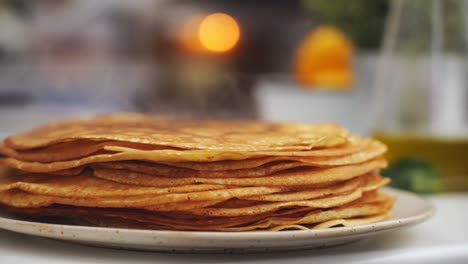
284 100
450 119
420 85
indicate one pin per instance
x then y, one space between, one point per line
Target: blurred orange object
324 59
212 33
218 32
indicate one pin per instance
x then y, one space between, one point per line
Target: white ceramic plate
409 210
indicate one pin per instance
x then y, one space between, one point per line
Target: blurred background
393 69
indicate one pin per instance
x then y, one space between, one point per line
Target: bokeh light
219 32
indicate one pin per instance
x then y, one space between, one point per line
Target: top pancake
185 134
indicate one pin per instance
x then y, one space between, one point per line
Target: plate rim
389 224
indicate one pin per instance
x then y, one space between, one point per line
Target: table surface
443 238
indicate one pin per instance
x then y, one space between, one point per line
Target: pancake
368 182
376 207
372 150
319 157
222 136
82 148
146 172
35 192
23 199
299 177
69 150
88 186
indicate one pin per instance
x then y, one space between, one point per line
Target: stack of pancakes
137 171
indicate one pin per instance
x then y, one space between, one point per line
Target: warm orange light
218 32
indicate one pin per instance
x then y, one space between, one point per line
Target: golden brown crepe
139 171
297 177
186 134
373 207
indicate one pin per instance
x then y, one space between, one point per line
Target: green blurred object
362 20
413 174
425 163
